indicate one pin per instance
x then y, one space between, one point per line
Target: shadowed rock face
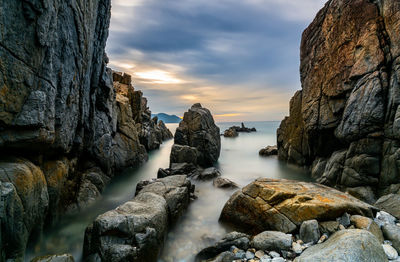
350 97
282 205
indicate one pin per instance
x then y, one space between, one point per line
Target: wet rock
392 233
208 174
184 154
346 245
269 204
367 224
272 240
309 231
365 194
390 252
198 130
344 220
224 257
54 258
221 182
383 218
329 227
231 132
269 151
136 230
390 204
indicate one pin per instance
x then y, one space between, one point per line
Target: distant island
167 118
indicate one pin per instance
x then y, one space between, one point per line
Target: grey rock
230 132
198 130
383 218
272 240
249 255
224 257
346 245
208 174
309 231
365 194
269 151
54 258
329 227
184 154
221 182
390 204
278 259
344 220
367 223
390 252
392 233
274 254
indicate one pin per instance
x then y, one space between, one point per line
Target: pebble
249 255
233 248
265 258
382 218
274 254
297 248
391 253
252 250
341 227
259 254
278 259
322 239
240 254
344 220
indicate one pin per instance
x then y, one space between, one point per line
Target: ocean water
199 226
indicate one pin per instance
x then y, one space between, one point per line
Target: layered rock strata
345 120
66 126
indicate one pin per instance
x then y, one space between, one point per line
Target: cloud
227 54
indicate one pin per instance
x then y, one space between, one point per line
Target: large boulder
282 205
352 245
347 112
135 231
198 130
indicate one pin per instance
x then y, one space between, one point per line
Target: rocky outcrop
268 151
135 231
282 205
231 132
197 136
345 120
67 123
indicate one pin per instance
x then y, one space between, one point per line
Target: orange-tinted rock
282 205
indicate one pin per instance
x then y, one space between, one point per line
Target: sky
239 58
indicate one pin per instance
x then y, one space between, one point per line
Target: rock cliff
344 123
67 123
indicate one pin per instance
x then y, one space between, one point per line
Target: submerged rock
198 131
268 151
282 205
231 132
221 182
135 231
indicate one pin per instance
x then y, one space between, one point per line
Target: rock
390 204
365 194
282 205
272 240
259 254
208 174
329 227
224 257
184 154
278 259
242 128
198 130
274 254
346 245
136 230
392 233
269 151
54 258
296 247
354 108
231 132
390 252
165 132
221 182
367 224
309 231
383 218
249 255
344 220
236 239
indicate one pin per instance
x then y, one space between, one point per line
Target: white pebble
391 253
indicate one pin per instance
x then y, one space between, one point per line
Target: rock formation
136 230
345 120
65 126
268 151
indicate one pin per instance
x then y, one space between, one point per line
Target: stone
184 154
365 194
296 247
367 224
390 204
346 245
278 259
221 182
309 231
329 227
259 254
272 240
268 151
274 254
344 220
383 218
224 257
231 132
390 252
54 258
208 174
392 233
282 205
249 255
198 130
136 229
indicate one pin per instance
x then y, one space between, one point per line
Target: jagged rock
231 132
165 132
309 231
349 102
269 204
242 128
184 154
221 182
54 258
208 174
346 245
390 203
269 151
136 230
198 130
187 169
365 194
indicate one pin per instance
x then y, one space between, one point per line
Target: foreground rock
221 182
347 115
54 258
269 151
231 132
282 205
135 231
346 245
199 133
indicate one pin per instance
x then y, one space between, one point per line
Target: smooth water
199 227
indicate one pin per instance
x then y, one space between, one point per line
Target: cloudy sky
239 58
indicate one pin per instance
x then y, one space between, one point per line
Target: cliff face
345 122
67 123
